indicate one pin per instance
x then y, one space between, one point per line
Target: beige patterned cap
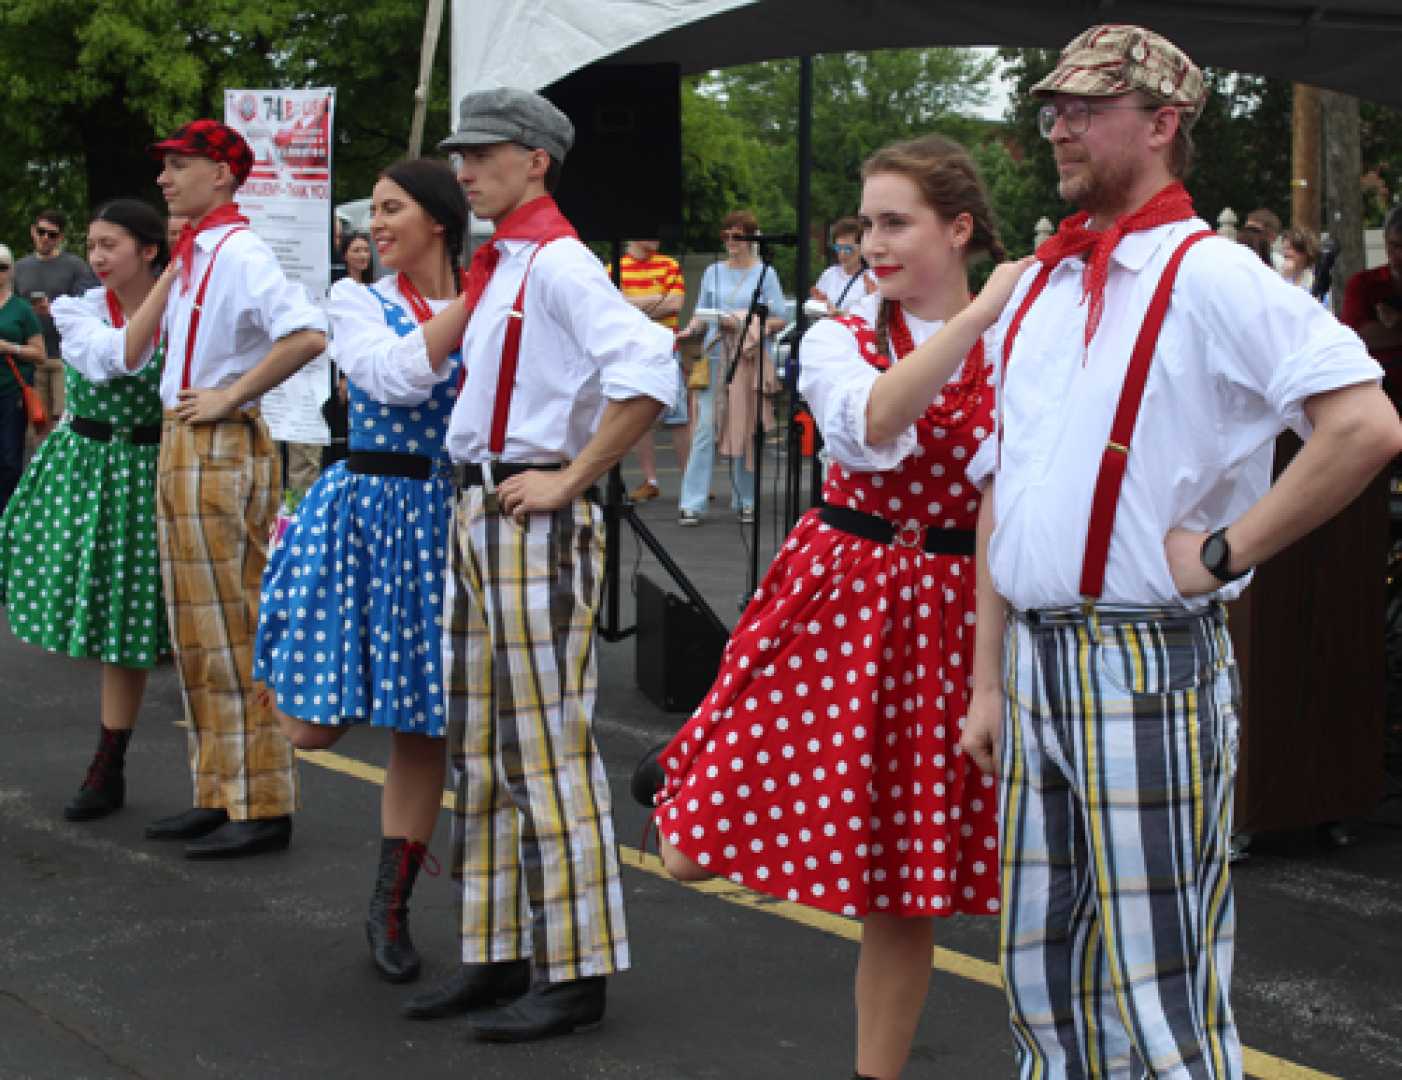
1106 61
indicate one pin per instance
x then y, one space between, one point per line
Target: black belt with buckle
383 463
870 527
470 475
102 431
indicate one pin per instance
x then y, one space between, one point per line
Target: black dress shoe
473 986
547 1009
190 825
649 776
235 839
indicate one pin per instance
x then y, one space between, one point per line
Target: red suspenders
199 303
510 357
1115 459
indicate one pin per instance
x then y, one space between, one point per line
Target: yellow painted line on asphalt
1258 1064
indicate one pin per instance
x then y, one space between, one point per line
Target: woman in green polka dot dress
79 571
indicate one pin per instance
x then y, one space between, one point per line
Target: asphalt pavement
121 959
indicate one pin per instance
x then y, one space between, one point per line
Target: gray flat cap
506 114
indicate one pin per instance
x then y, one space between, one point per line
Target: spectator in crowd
1373 306
22 343
1301 252
847 280
1267 224
1256 240
724 298
652 283
41 277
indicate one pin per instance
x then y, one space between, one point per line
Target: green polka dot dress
79 569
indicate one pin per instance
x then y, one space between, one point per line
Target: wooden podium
1308 634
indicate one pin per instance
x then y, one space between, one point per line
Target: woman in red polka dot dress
823 766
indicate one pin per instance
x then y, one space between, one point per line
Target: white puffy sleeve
836 382
391 369
88 342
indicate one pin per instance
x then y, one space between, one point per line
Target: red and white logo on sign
248 107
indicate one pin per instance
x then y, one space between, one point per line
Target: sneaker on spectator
747 515
644 491
689 517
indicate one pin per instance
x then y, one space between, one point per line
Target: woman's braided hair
947 179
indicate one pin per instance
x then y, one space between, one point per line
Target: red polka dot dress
823 765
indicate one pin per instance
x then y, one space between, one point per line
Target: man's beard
1099 187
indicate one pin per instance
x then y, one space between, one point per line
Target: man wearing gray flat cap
563 376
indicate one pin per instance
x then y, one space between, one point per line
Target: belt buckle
909 535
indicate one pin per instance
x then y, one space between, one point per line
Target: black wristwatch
1217 556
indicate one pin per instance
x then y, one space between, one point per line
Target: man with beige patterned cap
1146 369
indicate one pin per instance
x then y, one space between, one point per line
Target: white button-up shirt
836 382
582 345
91 346
249 305
1240 352
389 368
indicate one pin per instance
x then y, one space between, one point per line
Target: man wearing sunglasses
46 275
1146 367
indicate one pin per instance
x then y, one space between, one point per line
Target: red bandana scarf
1072 238
539 220
184 251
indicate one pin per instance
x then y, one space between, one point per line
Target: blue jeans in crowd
696 482
13 423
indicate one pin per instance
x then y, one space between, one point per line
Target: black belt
870 527
381 463
471 475
102 431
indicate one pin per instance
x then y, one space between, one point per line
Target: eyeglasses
844 249
48 233
731 234
1077 115
4 267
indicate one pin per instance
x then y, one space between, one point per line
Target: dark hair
744 220
949 182
846 226
1305 241
1255 239
433 186
552 175
142 221
1393 222
349 238
1266 219
53 217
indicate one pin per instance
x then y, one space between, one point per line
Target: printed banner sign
287 199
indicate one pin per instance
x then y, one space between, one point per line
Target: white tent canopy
1349 45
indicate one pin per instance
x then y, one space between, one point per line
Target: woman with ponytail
350 624
823 767
79 569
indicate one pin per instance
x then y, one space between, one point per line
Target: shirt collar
1137 249
206 239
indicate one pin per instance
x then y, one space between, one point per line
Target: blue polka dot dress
350 619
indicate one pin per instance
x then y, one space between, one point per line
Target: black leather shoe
547 1009
234 839
473 986
190 825
649 776
104 789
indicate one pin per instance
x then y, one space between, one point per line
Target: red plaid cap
213 140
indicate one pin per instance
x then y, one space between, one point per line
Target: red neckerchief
184 250
417 304
539 220
119 318
1072 238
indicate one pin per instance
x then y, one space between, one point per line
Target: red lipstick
886 271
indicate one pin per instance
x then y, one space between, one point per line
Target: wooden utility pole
433 22
1304 158
1343 194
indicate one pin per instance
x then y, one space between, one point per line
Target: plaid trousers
217 491
1118 770
533 843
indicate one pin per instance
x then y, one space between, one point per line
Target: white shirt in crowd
1240 352
834 280
582 344
91 346
391 369
836 382
249 305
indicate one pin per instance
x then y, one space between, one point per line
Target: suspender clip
1091 617
1119 448
489 489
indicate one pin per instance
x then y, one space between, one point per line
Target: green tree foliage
93 82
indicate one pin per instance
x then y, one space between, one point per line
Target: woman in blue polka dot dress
350 623
79 571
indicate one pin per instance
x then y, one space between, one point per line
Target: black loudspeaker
623 177
678 649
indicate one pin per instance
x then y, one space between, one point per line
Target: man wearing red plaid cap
234 328
1146 369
